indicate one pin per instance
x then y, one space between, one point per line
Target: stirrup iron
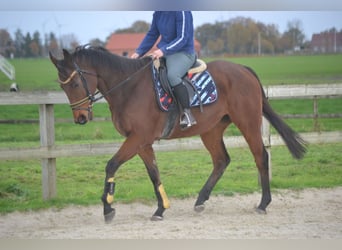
186 119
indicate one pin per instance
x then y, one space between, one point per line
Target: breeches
177 65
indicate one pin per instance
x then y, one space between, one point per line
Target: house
327 42
125 43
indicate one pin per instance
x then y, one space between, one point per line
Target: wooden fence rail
48 151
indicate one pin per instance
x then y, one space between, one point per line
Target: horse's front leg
147 155
126 152
109 189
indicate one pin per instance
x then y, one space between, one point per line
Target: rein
122 82
91 98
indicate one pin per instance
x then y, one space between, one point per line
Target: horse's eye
74 85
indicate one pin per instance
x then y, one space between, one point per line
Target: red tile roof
126 43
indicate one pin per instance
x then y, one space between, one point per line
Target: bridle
91 98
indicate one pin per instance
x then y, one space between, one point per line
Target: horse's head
78 84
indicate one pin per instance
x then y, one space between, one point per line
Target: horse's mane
99 56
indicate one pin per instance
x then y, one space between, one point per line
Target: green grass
80 180
32 74
278 70
305 106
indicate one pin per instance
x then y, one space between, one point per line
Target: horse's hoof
199 208
260 211
156 218
109 217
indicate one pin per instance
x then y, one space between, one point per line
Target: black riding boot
182 96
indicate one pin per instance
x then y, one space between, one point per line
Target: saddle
197 67
201 86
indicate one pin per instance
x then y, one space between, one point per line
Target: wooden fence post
315 114
47 140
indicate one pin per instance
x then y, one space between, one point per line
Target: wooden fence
48 151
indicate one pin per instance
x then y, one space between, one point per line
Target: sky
86 25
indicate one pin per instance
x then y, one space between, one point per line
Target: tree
27 48
97 42
53 44
19 44
215 46
140 27
36 45
270 36
209 32
6 43
34 49
294 36
242 36
137 27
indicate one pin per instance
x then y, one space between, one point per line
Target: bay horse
126 84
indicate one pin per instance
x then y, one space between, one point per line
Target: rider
177 46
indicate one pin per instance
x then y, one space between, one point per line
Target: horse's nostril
82 119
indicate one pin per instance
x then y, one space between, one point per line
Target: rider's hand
135 55
157 54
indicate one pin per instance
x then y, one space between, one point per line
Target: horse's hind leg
265 182
261 159
147 155
252 132
213 141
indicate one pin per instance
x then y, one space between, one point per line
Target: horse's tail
294 142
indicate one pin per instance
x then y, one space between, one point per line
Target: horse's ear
66 55
53 59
